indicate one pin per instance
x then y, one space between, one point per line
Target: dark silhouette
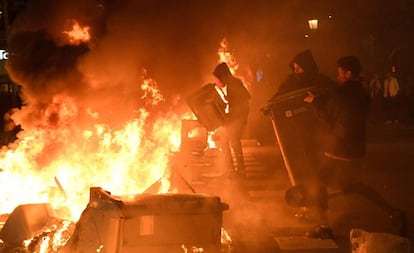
237 97
345 111
305 73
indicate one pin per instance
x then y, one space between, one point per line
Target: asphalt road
259 218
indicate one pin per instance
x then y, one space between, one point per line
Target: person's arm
319 103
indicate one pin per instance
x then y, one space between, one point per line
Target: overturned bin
208 106
151 223
297 129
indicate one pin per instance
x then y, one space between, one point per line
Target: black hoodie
309 78
345 110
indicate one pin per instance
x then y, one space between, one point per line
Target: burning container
296 127
153 223
27 221
208 106
193 136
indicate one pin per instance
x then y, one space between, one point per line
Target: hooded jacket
310 77
345 110
306 61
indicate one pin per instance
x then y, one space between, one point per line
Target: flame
78 34
210 139
149 86
58 162
44 244
51 239
226 56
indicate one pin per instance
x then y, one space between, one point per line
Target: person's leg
395 110
225 160
238 153
235 141
352 183
318 200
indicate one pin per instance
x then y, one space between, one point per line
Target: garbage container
208 106
151 223
296 127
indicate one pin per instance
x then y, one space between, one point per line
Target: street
259 220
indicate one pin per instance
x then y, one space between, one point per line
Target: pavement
259 220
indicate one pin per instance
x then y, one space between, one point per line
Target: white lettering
4 55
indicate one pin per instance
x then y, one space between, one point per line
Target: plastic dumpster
296 127
151 223
208 106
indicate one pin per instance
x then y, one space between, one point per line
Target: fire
78 34
59 163
149 86
226 56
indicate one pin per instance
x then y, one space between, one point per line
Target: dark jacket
310 77
238 98
345 110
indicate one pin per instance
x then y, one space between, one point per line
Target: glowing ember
78 34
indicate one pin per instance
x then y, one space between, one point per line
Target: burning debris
34 228
86 124
143 222
75 128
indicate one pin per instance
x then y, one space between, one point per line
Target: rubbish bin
296 127
208 106
151 223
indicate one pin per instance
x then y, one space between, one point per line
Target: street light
313 24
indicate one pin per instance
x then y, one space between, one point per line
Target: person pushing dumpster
345 112
295 124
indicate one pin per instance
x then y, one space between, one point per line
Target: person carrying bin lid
238 99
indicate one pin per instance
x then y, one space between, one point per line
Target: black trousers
344 176
233 132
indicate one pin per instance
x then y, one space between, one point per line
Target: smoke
175 41
101 76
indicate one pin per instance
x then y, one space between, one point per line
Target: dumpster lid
173 202
293 94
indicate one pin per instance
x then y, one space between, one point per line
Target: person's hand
309 98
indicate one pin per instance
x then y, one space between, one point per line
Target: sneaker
320 232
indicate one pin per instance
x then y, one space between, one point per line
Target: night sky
177 41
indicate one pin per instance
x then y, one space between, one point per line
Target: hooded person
238 99
345 111
308 135
305 73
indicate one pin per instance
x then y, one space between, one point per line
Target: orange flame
78 34
59 163
149 86
226 56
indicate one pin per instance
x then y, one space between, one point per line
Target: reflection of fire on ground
79 131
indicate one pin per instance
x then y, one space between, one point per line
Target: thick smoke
176 41
101 76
